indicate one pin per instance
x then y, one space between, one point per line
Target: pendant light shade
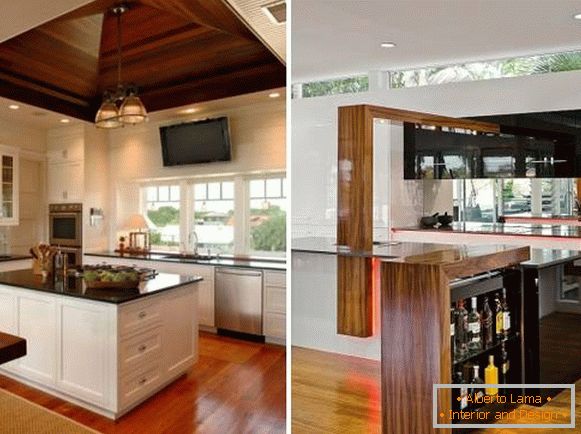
132 111
121 106
108 115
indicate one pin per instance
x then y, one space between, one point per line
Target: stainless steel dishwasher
239 300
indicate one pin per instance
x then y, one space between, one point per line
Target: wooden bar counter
415 327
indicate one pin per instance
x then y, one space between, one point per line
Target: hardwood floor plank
236 387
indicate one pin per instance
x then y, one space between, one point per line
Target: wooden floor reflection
332 393
236 387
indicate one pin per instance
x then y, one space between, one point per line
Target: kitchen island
413 287
104 349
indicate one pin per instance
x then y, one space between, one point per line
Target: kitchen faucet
193 236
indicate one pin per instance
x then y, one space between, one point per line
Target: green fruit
118 277
91 276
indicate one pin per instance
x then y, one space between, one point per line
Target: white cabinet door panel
84 348
37 324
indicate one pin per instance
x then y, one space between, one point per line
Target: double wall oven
66 230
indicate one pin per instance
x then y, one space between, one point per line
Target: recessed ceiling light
13 107
189 110
387 44
65 121
274 95
577 16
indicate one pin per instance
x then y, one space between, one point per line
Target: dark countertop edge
274 265
99 300
15 258
476 232
11 347
550 263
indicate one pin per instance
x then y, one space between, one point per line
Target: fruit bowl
111 278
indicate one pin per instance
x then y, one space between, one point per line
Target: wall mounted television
196 142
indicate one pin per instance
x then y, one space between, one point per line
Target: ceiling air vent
276 12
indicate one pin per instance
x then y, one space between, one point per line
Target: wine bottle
491 377
476 390
487 321
474 340
499 317
463 391
452 331
505 314
504 364
461 330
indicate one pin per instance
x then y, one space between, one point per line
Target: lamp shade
108 116
132 111
136 221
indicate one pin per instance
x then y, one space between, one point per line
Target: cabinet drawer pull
142 314
142 381
142 348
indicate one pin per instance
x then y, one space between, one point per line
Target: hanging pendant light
122 106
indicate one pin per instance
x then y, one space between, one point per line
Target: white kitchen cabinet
66 182
66 144
20 264
106 357
9 192
274 310
37 324
86 368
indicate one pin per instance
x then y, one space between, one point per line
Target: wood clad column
355 221
415 346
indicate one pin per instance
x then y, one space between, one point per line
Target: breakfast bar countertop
76 287
521 229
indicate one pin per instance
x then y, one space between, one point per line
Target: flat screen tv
196 142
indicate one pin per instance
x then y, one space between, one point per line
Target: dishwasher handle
238 272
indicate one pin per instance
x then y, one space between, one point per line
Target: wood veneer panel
355 178
354 221
415 345
355 296
431 119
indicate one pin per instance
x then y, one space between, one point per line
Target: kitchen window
162 207
267 217
485 200
214 216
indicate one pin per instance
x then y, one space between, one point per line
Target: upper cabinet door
9 193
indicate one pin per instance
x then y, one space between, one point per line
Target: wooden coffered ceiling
176 52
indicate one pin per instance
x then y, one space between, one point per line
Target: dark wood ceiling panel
175 51
209 13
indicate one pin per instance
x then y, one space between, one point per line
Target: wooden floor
560 337
332 393
236 387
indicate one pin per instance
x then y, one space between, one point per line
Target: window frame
241 206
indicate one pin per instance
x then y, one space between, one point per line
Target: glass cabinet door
9 192
7 186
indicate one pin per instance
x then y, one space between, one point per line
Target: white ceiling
273 35
331 38
19 16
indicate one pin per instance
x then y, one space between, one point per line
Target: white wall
314 175
32 144
258 145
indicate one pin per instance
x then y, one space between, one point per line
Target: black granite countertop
223 261
75 286
6 258
520 229
540 258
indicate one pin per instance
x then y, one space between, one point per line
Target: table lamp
138 227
